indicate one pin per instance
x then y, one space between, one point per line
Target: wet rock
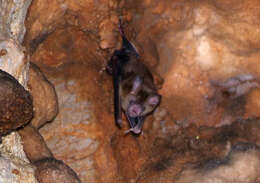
45 100
53 171
16 108
33 144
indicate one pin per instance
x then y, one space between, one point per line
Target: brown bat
134 89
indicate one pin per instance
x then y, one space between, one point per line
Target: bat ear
154 99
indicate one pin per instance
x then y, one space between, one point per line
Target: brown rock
45 101
39 25
242 157
71 46
253 104
83 15
50 170
76 135
198 42
129 156
16 107
108 33
33 144
192 45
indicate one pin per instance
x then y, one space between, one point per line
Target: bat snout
135 110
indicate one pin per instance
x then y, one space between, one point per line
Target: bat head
137 110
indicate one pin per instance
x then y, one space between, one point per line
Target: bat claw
119 123
108 68
134 130
127 131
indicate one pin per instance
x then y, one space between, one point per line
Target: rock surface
53 171
80 123
12 30
16 104
44 97
196 43
229 169
33 144
12 15
14 61
207 53
16 107
47 168
14 165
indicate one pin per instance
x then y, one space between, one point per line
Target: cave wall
191 44
203 54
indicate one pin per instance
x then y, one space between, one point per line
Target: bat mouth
135 130
136 124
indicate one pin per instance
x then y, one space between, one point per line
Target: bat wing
117 76
128 46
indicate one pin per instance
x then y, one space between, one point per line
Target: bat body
134 89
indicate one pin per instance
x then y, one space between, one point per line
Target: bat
134 88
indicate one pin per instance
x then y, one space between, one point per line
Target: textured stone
193 43
41 24
14 165
83 15
76 135
232 168
14 61
33 144
12 16
108 33
44 97
71 45
12 31
51 170
16 107
200 49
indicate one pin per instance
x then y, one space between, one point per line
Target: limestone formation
16 109
45 99
205 55
14 165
